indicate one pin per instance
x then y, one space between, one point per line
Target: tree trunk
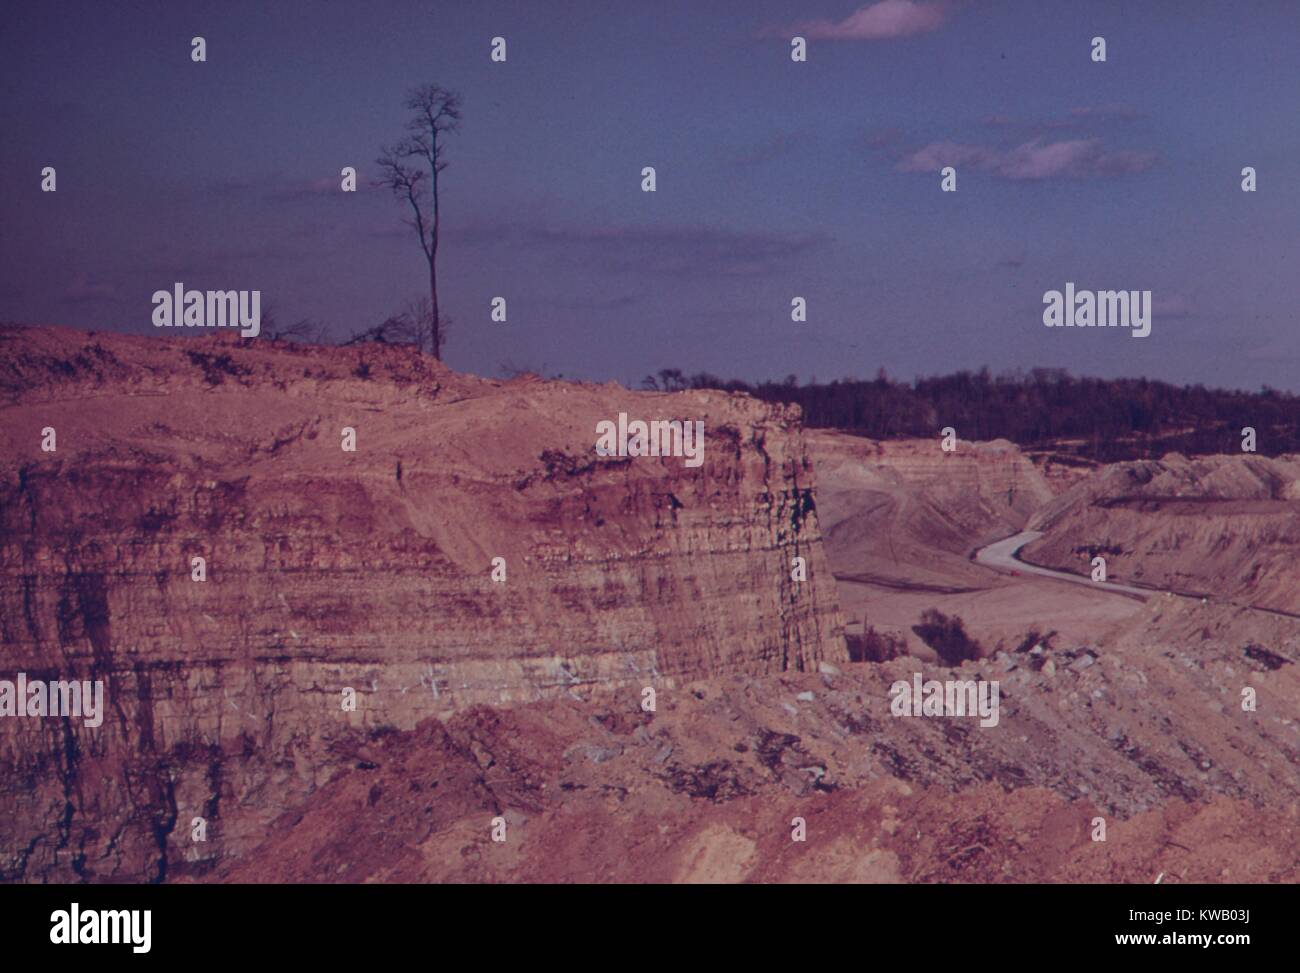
433 253
435 325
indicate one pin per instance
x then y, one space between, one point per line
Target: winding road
1001 555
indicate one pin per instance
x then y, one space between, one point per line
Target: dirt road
1001 555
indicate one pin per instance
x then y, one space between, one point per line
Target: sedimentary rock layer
328 569
1223 526
906 511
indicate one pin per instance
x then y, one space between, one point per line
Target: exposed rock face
906 511
1141 721
329 569
1225 526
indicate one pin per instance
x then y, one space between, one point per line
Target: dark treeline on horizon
1107 419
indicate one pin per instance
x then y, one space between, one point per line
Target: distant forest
1044 409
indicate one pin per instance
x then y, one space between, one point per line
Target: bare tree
304 329
307 330
412 325
411 168
421 328
393 330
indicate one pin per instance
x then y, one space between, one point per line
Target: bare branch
410 170
408 184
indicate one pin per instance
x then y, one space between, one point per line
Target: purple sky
775 179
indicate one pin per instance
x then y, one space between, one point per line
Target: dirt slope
707 788
1225 526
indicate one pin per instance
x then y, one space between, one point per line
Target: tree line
1045 408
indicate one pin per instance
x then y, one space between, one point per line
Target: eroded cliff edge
329 569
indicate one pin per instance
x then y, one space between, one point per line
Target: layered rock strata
328 570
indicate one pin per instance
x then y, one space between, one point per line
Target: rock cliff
329 569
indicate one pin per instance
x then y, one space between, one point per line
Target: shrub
216 367
873 646
947 636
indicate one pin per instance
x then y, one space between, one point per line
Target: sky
774 178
